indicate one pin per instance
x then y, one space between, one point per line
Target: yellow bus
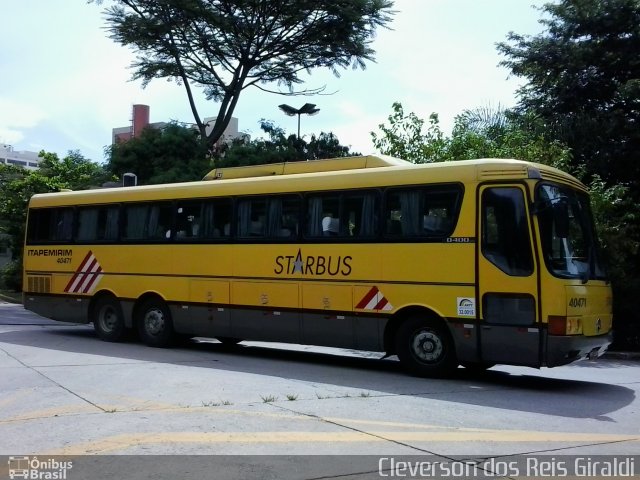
472 263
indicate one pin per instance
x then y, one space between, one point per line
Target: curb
4 298
622 355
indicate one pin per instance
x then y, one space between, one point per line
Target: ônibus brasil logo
38 469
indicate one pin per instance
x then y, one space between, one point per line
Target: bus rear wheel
108 320
154 323
425 347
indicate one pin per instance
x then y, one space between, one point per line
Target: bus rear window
50 225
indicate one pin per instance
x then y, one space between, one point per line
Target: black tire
229 341
477 367
154 323
425 347
108 320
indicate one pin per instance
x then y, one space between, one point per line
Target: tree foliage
583 81
405 137
225 46
278 147
18 185
478 133
173 153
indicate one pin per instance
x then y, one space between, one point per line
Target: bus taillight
561 325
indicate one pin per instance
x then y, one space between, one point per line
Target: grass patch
268 399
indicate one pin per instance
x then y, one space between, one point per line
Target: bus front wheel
108 320
154 323
425 347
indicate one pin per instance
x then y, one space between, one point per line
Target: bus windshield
569 243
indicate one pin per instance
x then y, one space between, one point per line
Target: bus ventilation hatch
39 284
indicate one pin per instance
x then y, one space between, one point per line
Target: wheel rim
154 321
108 318
427 346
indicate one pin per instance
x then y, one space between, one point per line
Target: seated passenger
330 226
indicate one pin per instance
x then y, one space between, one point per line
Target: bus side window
188 220
342 214
282 216
213 219
148 221
422 212
323 215
505 231
252 215
97 224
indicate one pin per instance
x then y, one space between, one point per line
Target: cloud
17 116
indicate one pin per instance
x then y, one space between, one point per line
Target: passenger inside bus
330 226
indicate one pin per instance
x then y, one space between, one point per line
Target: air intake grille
39 284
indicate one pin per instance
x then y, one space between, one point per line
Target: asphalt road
65 392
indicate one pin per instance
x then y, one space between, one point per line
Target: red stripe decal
383 301
368 297
94 275
78 271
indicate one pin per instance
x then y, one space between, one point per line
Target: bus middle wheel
108 320
154 323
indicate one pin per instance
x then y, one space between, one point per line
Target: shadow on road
522 392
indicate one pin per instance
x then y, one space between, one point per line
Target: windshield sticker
466 307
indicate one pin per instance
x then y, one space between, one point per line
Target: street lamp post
307 109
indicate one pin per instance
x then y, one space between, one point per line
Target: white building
9 156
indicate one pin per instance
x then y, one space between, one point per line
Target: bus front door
507 278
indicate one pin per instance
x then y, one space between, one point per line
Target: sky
64 84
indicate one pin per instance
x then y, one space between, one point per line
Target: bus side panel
60 308
209 314
265 311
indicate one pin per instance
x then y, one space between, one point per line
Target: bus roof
356 172
311 166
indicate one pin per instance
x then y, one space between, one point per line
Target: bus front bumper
564 349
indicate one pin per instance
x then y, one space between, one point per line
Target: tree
584 82
277 147
18 185
171 154
477 133
225 46
404 137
